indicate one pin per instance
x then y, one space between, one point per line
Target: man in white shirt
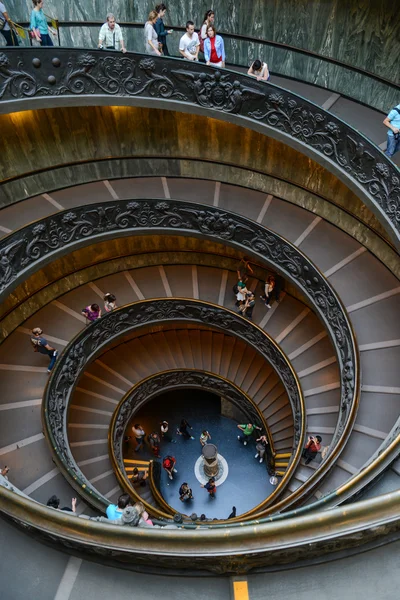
190 44
110 35
8 32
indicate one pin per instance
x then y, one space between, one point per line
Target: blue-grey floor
247 483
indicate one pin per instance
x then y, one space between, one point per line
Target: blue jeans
139 443
46 40
393 144
53 358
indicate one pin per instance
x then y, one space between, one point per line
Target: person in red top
312 448
214 49
168 464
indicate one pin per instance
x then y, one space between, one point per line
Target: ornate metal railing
50 77
93 340
28 249
174 379
241 549
283 59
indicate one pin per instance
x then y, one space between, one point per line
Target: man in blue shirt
40 344
393 138
114 511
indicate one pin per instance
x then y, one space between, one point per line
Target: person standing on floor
261 447
185 492
6 28
159 27
154 441
189 44
110 35
269 291
92 312
312 448
210 487
240 290
41 345
38 25
138 434
150 35
392 121
259 70
110 302
207 21
214 49
247 308
247 431
168 464
183 430
164 428
204 437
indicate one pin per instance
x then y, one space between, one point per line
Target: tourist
144 515
168 464
214 49
259 70
244 269
261 447
164 428
269 291
54 502
150 35
8 32
40 344
154 441
185 492
210 487
160 29
4 472
183 430
247 430
207 21
92 312
233 513
203 517
110 302
138 477
240 290
392 121
312 447
38 26
247 308
204 437
138 434
189 44
110 35
114 511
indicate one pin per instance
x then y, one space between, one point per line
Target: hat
130 516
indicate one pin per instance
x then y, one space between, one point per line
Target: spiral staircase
155 267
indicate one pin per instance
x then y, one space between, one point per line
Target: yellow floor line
240 590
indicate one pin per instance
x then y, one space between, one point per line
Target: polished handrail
171 379
360 525
39 242
71 77
245 38
92 342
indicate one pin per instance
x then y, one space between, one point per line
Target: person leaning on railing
259 70
39 27
214 49
6 28
110 35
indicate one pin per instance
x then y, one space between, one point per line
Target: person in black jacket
160 29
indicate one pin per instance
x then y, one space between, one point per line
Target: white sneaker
245 443
169 475
261 460
175 471
268 305
256 456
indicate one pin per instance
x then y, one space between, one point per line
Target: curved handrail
146 389
93 340
29 248
55 76
243 548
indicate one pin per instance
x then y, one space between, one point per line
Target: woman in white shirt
150 35
207 21
259 70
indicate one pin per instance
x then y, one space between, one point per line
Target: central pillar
210 456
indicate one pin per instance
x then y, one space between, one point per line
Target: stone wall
365 33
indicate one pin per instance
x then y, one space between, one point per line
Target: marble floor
247 483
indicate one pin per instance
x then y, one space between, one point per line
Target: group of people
245 298
39 29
